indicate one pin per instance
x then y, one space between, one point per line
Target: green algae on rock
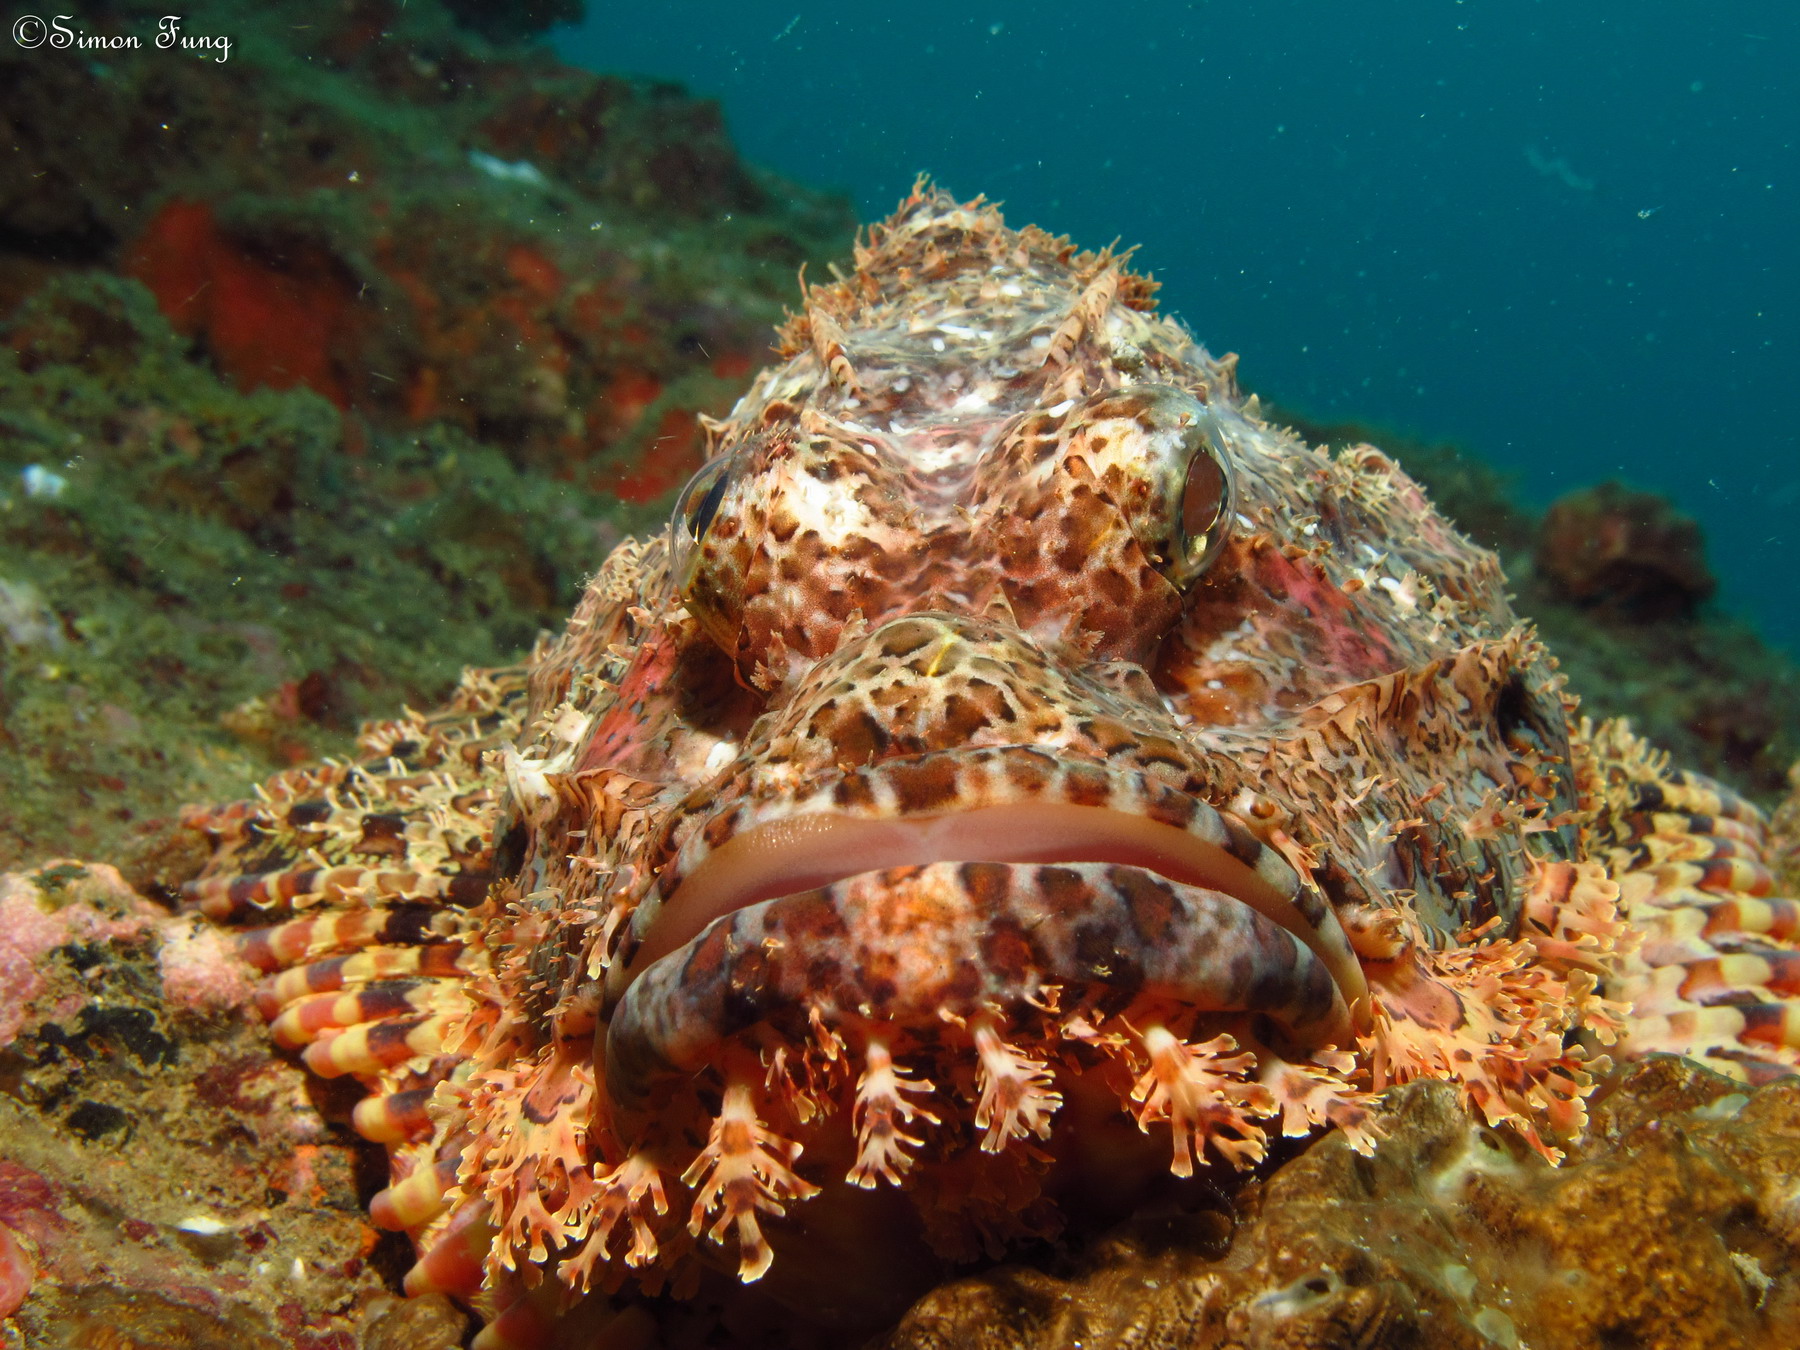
216 583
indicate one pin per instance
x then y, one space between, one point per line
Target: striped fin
236 899
418 1197
1717 974
370 1048
429 959
355 888
343 930
394 1117
319 1015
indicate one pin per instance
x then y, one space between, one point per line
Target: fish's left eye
1206 499
1166 458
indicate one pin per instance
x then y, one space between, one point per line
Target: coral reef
1670 1228
420 226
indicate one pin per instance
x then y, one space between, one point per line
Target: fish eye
696 509
1207 493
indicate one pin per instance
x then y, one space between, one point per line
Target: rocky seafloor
330 369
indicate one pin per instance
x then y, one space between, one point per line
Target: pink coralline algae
15 1273
29 930
200 968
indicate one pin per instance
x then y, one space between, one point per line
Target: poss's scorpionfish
1019 776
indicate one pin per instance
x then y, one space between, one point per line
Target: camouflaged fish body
1015 749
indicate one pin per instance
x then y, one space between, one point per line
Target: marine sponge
1631 552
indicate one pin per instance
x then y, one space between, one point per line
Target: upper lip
810 848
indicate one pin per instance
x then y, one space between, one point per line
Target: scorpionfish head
1025 777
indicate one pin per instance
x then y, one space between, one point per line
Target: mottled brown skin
1020 773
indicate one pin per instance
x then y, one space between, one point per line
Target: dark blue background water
1564 236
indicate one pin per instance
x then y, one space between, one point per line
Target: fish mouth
808 912
809 851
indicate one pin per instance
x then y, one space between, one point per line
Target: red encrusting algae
277 320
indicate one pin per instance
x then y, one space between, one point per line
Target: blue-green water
1561 235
